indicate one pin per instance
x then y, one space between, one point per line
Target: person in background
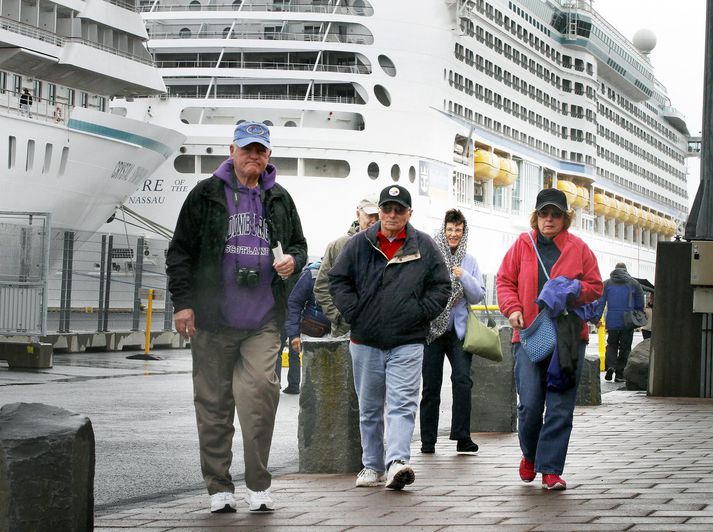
445 339
367 214
26 103
520 280
389 283
622 294
303 316
649 311
229 296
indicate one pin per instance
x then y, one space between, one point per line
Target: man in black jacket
238 239
389 282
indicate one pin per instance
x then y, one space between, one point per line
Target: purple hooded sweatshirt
247 245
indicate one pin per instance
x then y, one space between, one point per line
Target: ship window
237 4
184 33
290 123
326 168
210 162
12 147
412 174
48 158
63 161
382 95
395 172
286 166
195 5
30 159
387 65
185 164
268 122
372 170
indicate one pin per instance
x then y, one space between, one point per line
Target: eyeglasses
555 213
396 207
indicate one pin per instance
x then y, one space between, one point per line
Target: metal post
66 287
138 271
107 291
102 272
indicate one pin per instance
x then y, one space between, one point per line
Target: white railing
41 109
353 38
271 8
266 65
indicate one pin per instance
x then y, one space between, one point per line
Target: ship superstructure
474 104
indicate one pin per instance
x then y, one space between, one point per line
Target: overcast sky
678 58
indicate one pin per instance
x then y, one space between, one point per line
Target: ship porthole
395 172
412 174
373 170
382 95
290 123
268 123
387 65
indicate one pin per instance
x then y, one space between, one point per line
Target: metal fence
24 241
100 282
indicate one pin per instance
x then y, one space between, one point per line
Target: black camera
247 277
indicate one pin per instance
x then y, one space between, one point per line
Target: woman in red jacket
519 281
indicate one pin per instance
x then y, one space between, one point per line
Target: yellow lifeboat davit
507 174
582 198
486 165
602 206
569 189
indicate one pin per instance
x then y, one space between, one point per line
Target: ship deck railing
267 65
238 96
28 30
41 109
352 38
272 8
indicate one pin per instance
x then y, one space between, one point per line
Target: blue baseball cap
249 132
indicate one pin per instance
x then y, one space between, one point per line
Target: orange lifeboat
507 174
569 189
486 165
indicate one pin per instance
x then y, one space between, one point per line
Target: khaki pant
235 368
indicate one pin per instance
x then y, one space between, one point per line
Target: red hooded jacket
517 276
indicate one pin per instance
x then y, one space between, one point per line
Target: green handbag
481 339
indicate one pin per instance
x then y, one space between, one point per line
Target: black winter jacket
390 303
194 262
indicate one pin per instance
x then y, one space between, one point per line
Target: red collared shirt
391 247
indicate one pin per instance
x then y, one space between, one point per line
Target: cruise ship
62 151
474 104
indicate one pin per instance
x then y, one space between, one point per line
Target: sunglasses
397 208
555 213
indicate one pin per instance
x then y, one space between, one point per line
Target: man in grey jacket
367 215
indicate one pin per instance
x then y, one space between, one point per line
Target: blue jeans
446 345
386 380
544 443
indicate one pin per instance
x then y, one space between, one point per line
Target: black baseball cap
551 196
395 194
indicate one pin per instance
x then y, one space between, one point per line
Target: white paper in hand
277 252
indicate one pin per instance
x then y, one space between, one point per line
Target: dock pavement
635 463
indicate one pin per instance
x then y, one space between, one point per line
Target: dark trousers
294 370
618 349
446 345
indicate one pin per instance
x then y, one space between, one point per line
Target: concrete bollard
494 401
589 392
46 468
33 355
328 431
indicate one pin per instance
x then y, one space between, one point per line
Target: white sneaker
368 478
259 501
223 502
399 475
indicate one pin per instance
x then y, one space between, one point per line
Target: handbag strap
538 256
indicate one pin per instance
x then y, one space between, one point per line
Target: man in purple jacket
237 239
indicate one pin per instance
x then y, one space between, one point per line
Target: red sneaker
527 470
553 482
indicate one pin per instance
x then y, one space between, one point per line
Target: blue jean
543 442
386 380
446 345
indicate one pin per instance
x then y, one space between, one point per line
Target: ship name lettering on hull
147 200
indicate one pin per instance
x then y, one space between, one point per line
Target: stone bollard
33 355
589 392
494 402
636 371
328 431
46 468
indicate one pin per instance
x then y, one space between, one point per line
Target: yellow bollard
147 341
601 333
